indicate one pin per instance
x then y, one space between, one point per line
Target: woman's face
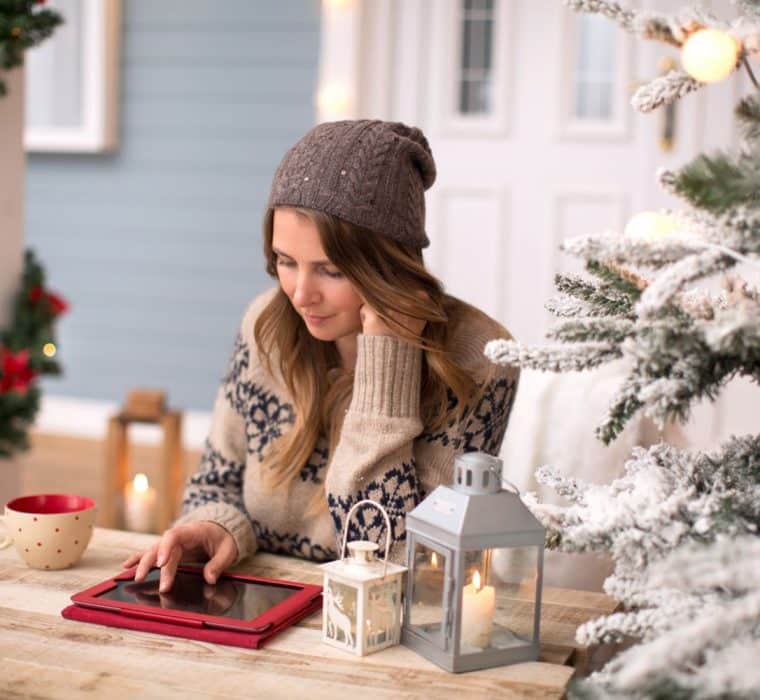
322 296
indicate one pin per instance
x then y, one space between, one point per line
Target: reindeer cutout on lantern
362 595
384 606
336 618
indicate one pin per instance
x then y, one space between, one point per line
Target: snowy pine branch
665 497
748 114
729 566
613 330
719 182
566 306
674 279
556 358
627 250
664 90
681 652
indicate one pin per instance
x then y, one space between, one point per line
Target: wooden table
44 656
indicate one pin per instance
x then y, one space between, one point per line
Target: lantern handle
367 501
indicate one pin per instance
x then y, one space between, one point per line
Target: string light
709 55
650 226
49 350
333 100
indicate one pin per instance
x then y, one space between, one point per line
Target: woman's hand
195 537
372 324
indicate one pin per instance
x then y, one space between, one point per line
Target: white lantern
361 607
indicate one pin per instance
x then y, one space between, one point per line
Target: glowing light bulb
49 350
333 100
709 55
140 483
434 560
650 226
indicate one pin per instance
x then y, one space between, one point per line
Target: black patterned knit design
317 462
293 544
264 415
485 426
217 480
398 492
265 419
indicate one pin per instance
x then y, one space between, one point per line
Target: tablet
235 602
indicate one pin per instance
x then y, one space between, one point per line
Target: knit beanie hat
367 172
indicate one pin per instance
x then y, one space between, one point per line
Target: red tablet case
250 634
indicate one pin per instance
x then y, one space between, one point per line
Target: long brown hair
391 277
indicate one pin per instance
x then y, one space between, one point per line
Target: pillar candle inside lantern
139 505
478 603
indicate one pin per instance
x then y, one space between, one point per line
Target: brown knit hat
367 172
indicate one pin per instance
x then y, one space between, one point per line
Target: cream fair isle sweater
384 453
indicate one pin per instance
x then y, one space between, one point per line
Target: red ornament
36 293
16 373
56 304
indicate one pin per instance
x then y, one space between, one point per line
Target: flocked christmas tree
681 526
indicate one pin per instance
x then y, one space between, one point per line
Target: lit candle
429 582
139 505
478 603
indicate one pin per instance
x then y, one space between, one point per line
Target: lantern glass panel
341 601
498 600
426 610
383 608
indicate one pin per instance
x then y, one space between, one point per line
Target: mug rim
35 504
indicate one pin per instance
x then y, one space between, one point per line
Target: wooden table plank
45 656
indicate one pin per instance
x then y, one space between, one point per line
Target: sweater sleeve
215 492
374 458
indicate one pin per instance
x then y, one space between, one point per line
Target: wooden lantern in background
145 406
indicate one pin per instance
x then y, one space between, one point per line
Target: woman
356 377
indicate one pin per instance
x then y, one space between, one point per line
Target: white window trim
571 129
100 87
448 19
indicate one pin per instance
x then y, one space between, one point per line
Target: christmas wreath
22 26
27 351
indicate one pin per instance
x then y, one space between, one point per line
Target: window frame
453 122
572 128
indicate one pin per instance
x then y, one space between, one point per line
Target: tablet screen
241 600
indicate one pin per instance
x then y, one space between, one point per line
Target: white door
526 106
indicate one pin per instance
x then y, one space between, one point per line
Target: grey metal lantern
475 558
361 610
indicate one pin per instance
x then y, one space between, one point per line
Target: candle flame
434 560
476 581
140 483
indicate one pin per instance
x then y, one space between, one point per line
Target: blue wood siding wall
157 246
